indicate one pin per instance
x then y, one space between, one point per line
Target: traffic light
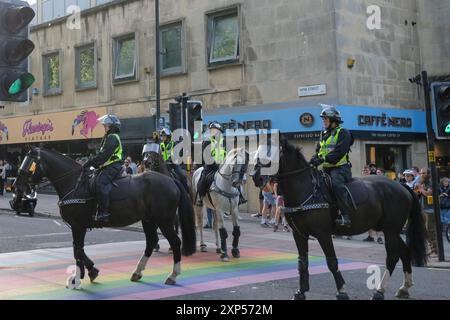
15 47
175 116
441 103
194 113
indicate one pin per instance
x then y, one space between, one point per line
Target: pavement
47 207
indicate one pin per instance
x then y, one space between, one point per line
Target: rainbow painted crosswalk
42 274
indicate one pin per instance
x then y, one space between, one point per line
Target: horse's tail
415 236
187 221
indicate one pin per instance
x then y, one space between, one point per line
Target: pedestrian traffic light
194 113
15 47
441 103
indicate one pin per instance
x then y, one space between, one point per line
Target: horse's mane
297 151
56 154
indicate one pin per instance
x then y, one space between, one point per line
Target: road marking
57 223
36 235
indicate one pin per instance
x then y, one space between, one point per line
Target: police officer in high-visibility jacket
333 152
109 163
218 153
166 149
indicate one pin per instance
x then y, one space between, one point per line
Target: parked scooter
24 201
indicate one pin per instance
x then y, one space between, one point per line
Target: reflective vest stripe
327 146
116 156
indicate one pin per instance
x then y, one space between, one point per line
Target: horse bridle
43 184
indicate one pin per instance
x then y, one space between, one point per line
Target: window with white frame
223 37
125 58
52 73
85 67
172 56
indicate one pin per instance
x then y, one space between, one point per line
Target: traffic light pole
432 165
157 64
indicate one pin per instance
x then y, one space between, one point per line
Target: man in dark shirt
109 163
333 152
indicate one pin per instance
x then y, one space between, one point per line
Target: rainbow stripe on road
41 274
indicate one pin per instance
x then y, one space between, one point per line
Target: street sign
316 90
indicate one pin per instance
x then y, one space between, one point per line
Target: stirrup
102 217
342 221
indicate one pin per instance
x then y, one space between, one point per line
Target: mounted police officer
109 163
166 148
218 153
333 152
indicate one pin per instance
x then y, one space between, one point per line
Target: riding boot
344 210
102 216
103 205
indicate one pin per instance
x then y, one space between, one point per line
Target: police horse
153 160
223 198
380 204
149 197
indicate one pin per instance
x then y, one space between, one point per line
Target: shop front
73 133
76 134
392 139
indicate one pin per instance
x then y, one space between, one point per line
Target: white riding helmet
165 131
110 119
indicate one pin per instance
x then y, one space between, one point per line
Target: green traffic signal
21 84
447 128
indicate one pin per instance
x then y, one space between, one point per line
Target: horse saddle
356 188
120 186
358 192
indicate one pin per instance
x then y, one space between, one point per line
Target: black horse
385 206
149 197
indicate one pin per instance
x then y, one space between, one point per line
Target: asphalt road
22 233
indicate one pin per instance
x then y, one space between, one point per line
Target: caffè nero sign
246 125
384 120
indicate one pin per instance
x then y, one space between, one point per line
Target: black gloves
316 160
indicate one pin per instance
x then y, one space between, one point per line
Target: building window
52 74
223 35
172 57
125 58
85 65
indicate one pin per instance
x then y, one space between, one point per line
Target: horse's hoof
236 253
73 283
203 248
218 250
378 296
224 257
402 294
170 282
342 296
299 296
93 274
136 277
